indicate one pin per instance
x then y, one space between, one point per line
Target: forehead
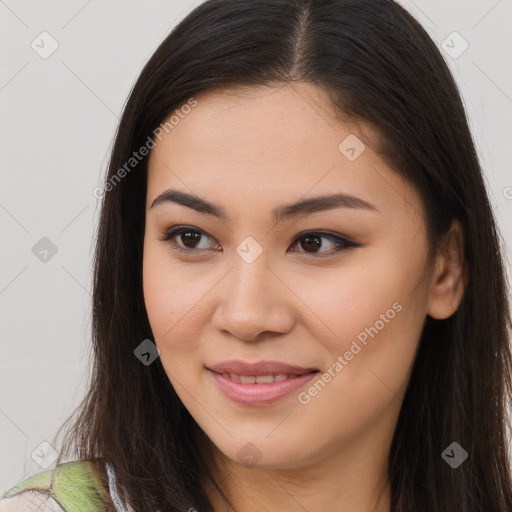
267 146
277 123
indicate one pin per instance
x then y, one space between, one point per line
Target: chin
265 453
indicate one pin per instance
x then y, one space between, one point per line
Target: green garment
73 485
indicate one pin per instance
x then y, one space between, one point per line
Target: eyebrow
279 214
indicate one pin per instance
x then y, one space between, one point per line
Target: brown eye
313 241
185 238
188 239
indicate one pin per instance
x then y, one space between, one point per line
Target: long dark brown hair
378 66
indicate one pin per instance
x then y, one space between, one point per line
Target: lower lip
259 394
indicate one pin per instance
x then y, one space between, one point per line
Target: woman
299 293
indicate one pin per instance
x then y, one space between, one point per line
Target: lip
259 394
260 368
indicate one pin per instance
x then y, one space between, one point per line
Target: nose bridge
249 280
250 302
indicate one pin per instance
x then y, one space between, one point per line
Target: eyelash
175 231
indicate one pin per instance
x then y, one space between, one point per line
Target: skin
250 150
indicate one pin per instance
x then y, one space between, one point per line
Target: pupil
195 238
308 240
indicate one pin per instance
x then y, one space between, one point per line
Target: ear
450 276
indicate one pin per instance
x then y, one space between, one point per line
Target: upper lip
239 367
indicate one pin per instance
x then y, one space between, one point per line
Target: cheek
371 326
349 299
373 313
159 297
173 304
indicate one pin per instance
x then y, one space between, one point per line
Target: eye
311 240
187 236
189 239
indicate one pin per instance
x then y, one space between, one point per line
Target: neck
350 480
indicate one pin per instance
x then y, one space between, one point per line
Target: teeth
257 379
264 379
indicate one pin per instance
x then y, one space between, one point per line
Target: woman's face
238 285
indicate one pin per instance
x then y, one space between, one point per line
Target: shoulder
30 501
69 486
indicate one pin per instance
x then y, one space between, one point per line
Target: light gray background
58 117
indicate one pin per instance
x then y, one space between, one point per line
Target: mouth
239 368
259 383
259 379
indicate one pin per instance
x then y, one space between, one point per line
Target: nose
253 302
